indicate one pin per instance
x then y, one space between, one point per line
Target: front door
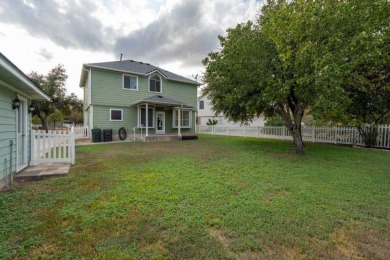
160 123
21 135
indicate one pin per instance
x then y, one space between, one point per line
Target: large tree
359 40
54 85
284 64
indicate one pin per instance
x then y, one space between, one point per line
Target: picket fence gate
53 146
80 131
335 135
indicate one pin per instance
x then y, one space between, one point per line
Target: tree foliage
54 85
299 55
56 116
212 122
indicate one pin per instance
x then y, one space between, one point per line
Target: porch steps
43 171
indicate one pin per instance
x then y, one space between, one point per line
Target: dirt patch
344 245
218 234
374 245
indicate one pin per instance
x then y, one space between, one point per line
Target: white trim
23 134
24 80
13 88
161 84
189 119
90 119
90 87
123 82
160 132
156 71
139 116
118 110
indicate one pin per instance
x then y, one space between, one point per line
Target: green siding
107 92
7 131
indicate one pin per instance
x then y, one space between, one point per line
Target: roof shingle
140 68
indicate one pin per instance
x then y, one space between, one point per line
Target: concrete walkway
44 171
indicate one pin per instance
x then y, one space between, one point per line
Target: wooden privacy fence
54 146
335 135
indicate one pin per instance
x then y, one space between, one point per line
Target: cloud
65 23
48 56
185 30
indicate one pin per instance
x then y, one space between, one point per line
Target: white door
160 123
21 135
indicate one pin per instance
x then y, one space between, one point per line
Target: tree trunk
297 140
45 125
369 134
293 123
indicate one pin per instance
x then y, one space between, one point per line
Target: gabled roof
160 100
12 77
134 67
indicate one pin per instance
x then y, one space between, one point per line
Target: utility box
107 135
96 135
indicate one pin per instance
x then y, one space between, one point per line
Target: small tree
54 85
212 122
56 117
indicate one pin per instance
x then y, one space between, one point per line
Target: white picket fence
80 131
335 135
54 146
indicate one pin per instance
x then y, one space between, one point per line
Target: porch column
179 122
147 120
138 117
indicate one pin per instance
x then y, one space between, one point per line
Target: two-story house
139 97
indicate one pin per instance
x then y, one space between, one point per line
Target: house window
185 118
201 104
130 82
155 83
116 114
142 117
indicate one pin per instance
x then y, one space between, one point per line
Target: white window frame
174 111
123 82
161 83
116 120
139 117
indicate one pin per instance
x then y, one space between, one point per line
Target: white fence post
73 147
32 149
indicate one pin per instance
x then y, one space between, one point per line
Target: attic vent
147 64
160 96
141 62
131 60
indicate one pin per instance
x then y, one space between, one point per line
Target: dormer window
155 83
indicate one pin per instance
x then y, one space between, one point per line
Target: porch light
31 108
16 103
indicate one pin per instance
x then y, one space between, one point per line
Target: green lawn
217 197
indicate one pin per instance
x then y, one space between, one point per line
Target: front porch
163 119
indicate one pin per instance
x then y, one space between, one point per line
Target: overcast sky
176 35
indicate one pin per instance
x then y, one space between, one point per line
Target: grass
217 197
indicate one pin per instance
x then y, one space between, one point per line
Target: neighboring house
205 112
118 94
17 92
